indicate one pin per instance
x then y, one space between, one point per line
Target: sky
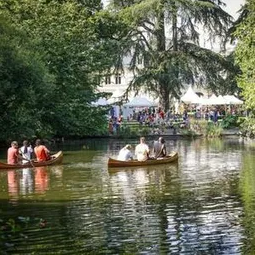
232 6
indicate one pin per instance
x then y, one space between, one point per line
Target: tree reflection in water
193 207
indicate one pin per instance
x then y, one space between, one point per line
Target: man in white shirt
142 150
125 153
26 151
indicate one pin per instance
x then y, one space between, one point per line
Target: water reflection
12 184
247 186
193 207
129 182
41 179
29 181
26 181
193 212
197 209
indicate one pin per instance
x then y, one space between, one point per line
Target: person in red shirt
41 152
162 114
13 154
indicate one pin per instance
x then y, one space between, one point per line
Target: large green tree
25 83
66 34
166 34
245 53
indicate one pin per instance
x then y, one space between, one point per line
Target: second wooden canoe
172 157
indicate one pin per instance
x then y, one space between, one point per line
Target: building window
118 79
108 79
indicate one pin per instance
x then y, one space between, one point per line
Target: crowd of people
159 121
142 151
26 152
152 117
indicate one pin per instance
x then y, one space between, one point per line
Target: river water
204 204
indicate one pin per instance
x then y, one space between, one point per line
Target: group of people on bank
142 151
26 153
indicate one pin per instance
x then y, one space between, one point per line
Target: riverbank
225 132
171 133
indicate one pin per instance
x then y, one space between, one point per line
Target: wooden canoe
55 159
172 157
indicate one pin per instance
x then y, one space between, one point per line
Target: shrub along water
205 128
248 127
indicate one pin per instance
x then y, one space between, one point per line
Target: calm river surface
204 204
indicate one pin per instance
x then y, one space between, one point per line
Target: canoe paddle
31 162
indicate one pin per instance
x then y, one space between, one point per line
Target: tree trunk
161 48
164 101
174 27
175 80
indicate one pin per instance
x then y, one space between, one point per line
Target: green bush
125 131
248 127
188 132
128 131
213 130
144 131
240 120
229 121
205 128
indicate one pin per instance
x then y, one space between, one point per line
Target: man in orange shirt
13 154
41 152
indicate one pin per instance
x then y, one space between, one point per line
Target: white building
118 82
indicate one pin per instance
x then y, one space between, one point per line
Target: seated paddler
41 151
13 156
159 148
142 150
125 153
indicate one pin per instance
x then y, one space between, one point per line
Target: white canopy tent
190 96
221 100
100 102
140 102
112 100
230 99
217 100
136 102
200 101
214 100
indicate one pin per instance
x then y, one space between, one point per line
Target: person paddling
159 148
13 156
26 151
41 151
142 150
125 153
